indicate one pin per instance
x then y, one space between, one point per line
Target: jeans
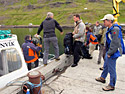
110 67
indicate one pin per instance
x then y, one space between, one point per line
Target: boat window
9 61
1 68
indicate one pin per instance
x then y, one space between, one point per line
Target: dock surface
81 79
76 80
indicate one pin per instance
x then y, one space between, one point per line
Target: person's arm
100 31
40 28
88 38
94 30
114 45
35 48
58 26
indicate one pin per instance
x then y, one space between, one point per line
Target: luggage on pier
68 43
85 52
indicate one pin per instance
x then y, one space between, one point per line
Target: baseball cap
108 17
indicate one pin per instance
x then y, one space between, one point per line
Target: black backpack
68 43
85 52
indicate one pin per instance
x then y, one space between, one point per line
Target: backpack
38 41
68 43
85 52
120 36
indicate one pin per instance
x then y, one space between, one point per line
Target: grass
21 15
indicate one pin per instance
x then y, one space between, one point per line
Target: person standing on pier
96 30
114 44
101 41
91 40
79 36
49 36
30 52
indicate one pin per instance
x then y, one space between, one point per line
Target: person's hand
40 46
61 33
73 33
108 55
36 35
85 44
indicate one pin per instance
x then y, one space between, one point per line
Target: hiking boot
101 68
108 88
57 59
96 48
74 65
100 79
87 57
45 65
90 57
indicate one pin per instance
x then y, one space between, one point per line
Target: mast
115 4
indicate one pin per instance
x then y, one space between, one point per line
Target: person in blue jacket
114 44
30 52
91 40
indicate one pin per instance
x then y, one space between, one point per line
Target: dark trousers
47 42
77 51
96 48
36 64
85 52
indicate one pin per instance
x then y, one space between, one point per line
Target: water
21 32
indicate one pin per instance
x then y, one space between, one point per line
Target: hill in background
23 12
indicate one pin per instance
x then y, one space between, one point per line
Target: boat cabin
12 63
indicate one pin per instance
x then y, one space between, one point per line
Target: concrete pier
81 79
76 80
48 71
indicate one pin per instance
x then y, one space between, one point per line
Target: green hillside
23 12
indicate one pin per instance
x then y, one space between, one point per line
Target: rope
36 85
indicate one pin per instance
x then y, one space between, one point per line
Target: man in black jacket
48 26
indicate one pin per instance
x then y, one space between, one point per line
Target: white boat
13 66
12 63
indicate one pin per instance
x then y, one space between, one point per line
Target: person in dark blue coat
30 52
91 40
